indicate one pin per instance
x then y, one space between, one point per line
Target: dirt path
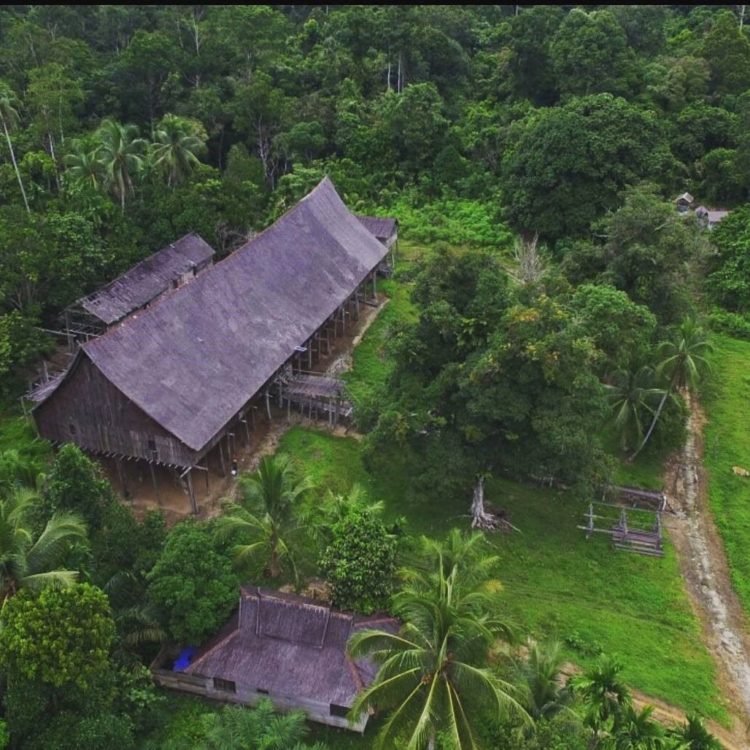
704 567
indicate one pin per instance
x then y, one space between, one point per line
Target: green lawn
557 584
727 444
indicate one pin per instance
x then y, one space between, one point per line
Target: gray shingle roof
290 660
146 280
197 355
378 226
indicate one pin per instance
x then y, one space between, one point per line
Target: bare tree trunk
15 166
742 16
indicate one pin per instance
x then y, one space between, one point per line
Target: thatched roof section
305 658
196 356
380 227
147 280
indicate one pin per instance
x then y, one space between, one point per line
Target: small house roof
290 645
714 216
381 227
146 280
684 198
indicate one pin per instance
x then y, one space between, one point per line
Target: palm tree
432 673
120 154
693 735
683 362
604 693
29 562
176 147
84 164
636 730
136 618
9 118
264 516
259 728
631 393
469 552
545 695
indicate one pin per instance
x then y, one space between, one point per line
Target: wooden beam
156 484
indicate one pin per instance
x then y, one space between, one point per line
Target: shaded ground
706 573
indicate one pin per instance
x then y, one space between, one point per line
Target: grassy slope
557 584
727 437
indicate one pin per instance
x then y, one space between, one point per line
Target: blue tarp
183 660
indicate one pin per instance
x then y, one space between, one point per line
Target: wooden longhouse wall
89 411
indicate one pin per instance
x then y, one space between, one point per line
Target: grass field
727 444
557 584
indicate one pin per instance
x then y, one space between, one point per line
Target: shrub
191 584
360 562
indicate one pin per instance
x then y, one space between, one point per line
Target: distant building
287 648
708 218
684 202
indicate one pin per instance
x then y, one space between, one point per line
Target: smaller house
284 647
383 229
708 218
684 202
169 268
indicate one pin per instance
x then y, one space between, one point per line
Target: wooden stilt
221 458
309 354
268 405
121 476
153 479
191 492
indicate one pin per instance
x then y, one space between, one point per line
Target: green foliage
75 484
568 164
732 324
729 268
259 728
590 54
645 250
32 559
432 674
262 522
192 584
125 545
69 731
58 636
360 562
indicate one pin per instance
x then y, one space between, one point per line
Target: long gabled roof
197 355
147 280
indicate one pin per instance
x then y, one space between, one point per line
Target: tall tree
632 396
121 154
683 362
263 518
545 694
177 144
29 560
604 694
9 118
432 674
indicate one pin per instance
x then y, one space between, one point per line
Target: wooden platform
637 540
